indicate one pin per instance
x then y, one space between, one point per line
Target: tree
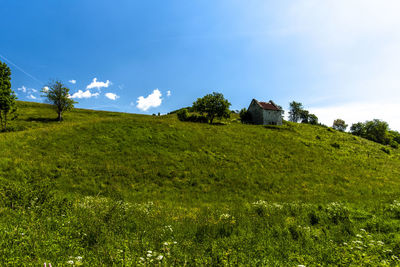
8 98
375 130
339 125
295 111
214 105
304 116
57 94
312 119
245 116
358 129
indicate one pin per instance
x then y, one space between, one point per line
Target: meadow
106 188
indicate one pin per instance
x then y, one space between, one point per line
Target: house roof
268 105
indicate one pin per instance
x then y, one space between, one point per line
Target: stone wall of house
256 112
273 117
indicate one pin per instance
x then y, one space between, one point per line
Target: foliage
295 111
312 119
375 130
7 97
339 125
106 188
298 113
213 105
58 94
245 116
184 115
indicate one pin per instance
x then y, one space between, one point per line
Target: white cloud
72 81
84 94
34 90
23 89
112 96
168 93
151 101
45 89
98 85
31 96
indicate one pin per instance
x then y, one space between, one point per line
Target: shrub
245 116
183 114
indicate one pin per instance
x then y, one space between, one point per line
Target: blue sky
340 58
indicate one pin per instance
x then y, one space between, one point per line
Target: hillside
109 187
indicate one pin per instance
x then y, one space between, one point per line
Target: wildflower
301 266
165 243
160 257
175 242
70 262
345 243
141 258
149 255
150 252
78 258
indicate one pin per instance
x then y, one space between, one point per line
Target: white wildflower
160 257
70 262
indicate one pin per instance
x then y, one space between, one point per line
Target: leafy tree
358 129
377 130
339 125
8 98
295 111
245 116
58 94
214 105
312 119
304 116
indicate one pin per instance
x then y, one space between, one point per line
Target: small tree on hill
312 119
214 105
339 125
295 111
58 95
8 106
245 116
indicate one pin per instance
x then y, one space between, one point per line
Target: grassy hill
113 187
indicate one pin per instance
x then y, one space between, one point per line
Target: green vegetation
107 188
58 95
377 131
7 97
213 106
298 113
339 125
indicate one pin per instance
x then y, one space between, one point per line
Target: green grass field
104 188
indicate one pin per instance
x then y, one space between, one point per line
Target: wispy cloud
112 96
23 89
151 101
98 85
84 94
31 96
168 93
72 81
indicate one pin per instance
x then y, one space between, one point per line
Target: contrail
31 76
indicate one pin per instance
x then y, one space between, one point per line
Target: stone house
265 113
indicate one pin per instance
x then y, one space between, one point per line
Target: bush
183 114
245 116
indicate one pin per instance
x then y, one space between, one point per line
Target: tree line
55 92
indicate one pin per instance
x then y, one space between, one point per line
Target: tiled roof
268 105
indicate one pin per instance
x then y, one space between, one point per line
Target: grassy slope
188 167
